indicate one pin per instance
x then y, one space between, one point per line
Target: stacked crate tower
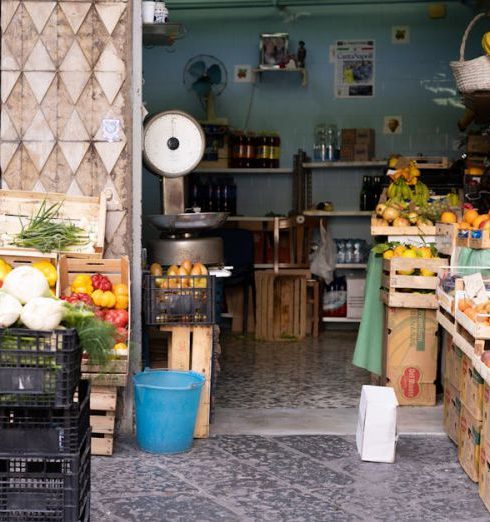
44 427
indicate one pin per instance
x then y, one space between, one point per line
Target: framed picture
273 50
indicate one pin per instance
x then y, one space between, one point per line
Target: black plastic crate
174 300
38 368
45 431
41 489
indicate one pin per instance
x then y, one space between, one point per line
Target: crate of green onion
52 222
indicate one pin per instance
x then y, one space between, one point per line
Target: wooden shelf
299 70
340 320
242 171
344 164
162 34
338 213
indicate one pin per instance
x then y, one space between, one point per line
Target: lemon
388 254
399 249
409 253
424 252
426 273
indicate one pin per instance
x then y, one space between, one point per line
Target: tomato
118 318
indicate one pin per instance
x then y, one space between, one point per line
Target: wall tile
39 152
7 11
75 13
7 151
110 14
39 13
39 82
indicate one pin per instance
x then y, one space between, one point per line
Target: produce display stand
103 402
412 230
88 213
191 348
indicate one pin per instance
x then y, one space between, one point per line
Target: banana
485 43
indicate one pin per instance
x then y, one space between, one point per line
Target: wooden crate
463 339
413 230
430 162
446 234
103 401
478 330
479 239
115 372
89 213
191 348
403 290
281 305
446 320
15 257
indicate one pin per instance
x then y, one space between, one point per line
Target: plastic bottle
364 202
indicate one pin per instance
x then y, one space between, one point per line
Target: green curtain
369 346
470 257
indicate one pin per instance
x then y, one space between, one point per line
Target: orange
449 217
470 216
388 254
464 225
463 304
399 249
478 220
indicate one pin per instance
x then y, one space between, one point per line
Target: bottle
320 147
376 191
262 151
238 150
275 150
331 152
249 150
365 193
233 196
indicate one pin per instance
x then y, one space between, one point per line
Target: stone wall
63 72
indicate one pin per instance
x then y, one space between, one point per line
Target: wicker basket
471 75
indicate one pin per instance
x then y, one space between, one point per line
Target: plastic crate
45 431
38 368
39 489
179 300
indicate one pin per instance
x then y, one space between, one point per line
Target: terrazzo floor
283 474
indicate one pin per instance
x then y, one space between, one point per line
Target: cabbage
43 313
25 283
10 309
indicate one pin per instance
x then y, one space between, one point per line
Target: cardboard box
486 413
355 297
451 411
347 152
484 472
471 389
469 443
478 144
357 136
452 365
376 433
363 152
411 344
410 391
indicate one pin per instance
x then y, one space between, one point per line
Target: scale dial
173 144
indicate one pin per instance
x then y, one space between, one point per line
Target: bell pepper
82 284
48 271
122 302
101 282
120 289
104 299
118 318
78 298
5 268
121 335
120 350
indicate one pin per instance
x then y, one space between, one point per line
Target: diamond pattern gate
64 70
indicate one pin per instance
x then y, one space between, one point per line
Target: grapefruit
449 217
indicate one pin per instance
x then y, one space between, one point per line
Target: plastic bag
322 261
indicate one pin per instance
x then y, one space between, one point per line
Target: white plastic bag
322 262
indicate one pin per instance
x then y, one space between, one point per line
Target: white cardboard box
376 434
355 297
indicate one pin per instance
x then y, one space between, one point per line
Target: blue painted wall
413 81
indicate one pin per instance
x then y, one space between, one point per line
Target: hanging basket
471 75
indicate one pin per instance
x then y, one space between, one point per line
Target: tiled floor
314 373
277 472
293 478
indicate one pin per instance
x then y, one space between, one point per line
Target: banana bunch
421 194
399 190
410 173
485 43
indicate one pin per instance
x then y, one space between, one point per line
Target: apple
485 357
485 225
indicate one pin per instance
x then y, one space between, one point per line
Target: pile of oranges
479 313
472 220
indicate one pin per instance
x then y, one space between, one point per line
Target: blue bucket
166 404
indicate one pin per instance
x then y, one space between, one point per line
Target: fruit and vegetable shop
226 218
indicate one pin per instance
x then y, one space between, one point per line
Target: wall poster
354 68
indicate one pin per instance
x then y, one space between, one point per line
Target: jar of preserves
263 151
250 142
275 150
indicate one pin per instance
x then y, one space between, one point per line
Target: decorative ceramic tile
75 82
39 83
109 61
85 36
75 59
85 106
114 219
8 81
30 36
100 37
109 153
39 59
7 129
8 61
116 111
12 173
12 34
38 187
74 152
7 11
56 175
64 108
91 164
39 13
110 83
39 152
22 105
110 14
74 129
39 129
75 13
7 150
74 189
50 104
